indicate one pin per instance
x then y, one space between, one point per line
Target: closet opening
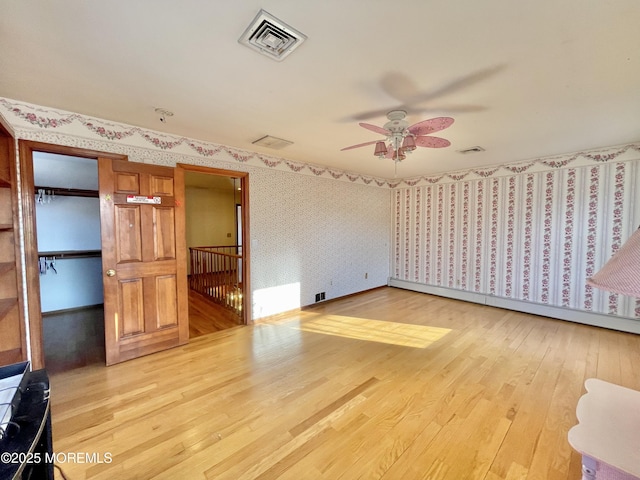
62 254
67 217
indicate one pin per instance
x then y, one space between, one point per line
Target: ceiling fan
412 99
402 138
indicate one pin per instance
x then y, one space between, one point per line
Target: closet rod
71 254
68 192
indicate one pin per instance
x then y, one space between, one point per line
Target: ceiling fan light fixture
398 156
402 138
408 144
381 150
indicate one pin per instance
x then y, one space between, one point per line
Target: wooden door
143 258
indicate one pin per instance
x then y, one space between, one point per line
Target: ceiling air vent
475 149
271 37
272 142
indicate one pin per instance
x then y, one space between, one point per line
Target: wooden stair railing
216 273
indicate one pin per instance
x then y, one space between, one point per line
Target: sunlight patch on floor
394 333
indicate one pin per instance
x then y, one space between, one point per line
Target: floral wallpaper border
24 117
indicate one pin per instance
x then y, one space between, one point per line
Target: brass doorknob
111 272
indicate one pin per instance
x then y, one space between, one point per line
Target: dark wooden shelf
71 254
67 192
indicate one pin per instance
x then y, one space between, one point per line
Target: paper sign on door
143 199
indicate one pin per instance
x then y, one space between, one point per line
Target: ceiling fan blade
418 110
457 84
403 89
397 85
359 145
432 142
373 113
375 128
431 125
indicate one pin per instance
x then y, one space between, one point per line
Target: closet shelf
67 192
71 254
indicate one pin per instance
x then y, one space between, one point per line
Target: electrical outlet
322 295
318 297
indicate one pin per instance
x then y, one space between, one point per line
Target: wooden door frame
34 307
246 247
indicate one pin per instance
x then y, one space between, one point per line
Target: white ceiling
522 79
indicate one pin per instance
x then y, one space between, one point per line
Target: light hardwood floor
75 338
206 317
389 384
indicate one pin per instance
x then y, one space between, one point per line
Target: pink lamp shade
621 274
398 155
409 144
381 149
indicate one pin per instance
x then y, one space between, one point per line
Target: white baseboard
622 324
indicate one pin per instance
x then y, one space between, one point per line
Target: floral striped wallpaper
533 237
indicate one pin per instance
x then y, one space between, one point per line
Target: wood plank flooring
206 317
75 338
387 385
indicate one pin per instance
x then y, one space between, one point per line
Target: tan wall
210 217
